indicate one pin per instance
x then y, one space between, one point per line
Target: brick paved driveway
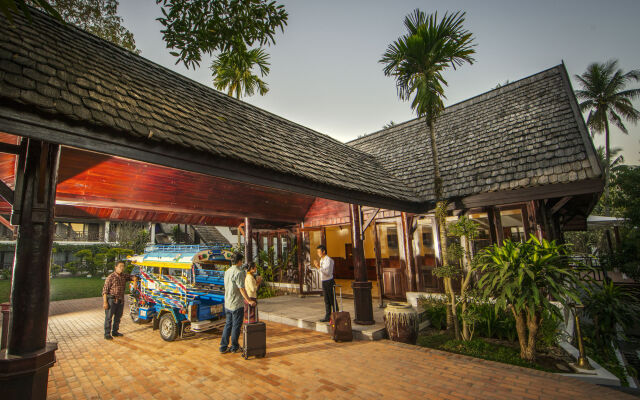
300 364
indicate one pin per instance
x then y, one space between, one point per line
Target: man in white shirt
326 271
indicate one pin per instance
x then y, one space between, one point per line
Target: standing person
251 285
326 271
234 293
113 299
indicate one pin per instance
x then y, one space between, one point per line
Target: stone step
360 332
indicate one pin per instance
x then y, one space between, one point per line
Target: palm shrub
523 278
609 306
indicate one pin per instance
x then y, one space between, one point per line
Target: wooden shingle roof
525 134
64 73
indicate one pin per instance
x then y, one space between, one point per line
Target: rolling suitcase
340 323
255 338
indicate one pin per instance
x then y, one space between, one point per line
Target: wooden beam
6 223
8 148
6 192
371 218
534 193
559 204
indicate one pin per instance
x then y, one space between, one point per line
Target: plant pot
401 322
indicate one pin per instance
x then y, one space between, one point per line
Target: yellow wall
337 237
315 240
369 242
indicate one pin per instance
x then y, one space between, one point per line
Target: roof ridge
479 97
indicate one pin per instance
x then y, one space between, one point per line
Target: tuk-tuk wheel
168 328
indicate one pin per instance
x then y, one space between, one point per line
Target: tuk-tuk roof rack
179 248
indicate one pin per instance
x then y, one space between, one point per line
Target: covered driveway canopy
62 85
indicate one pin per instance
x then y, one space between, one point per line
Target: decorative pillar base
363 303
26 376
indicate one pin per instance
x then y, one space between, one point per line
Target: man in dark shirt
113 300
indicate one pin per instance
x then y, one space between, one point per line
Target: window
484 234
513 225
389 249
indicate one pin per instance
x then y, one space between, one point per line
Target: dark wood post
558 235
407 242
300 249
377 250
363 303
278 251
495 225
248 241
24 365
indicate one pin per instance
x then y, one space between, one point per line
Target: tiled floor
300 364
304 312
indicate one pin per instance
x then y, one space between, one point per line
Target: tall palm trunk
606 169
442 224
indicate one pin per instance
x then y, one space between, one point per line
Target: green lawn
64 288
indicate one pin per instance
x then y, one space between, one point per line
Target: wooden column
248 241
106 231
153 233
363 303
25 373
495 225
300 249
377 250
407 242
557 230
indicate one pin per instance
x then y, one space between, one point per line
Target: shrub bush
436 310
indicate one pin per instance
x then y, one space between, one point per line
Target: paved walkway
300 364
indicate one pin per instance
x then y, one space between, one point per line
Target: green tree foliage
609 306
460 265
627 194
626 198
522 278
603 93
197 27
99 17
233 71
132 236
8 7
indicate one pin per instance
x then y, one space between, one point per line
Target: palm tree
232 71
603 94
417 60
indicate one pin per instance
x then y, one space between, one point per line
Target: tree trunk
533 324
606 169
454 315
464 285
521 328
466 331
447 291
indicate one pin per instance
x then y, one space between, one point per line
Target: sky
325 72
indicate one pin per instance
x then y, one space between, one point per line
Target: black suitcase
340 323
255 339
